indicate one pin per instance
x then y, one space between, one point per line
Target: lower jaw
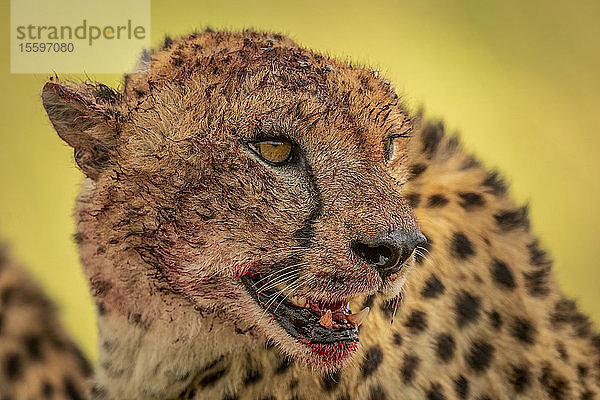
332 355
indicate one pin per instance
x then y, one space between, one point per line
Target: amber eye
273 152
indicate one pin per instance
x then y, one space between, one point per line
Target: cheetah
260 221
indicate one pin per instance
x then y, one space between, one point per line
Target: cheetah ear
84 118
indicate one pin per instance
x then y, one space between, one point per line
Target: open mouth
330 329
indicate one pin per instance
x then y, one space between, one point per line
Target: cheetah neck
137 361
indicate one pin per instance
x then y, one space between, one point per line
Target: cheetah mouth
326 327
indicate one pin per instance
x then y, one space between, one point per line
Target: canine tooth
326 320
359 317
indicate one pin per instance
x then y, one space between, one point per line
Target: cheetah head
248 177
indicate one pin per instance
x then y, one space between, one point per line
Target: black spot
373 358
582 370
212 377
519 378
416 321
99 287
284 365
537 256
511 219
435 392
555 385
461 246
470 200
331 380
377 393
433 287
480 355
413 199
47 390
562 351
431 137
437 200
388 307
461 386
33 345
565 312
98 392
523 330
13 366
369 300
444 347
494 183
253 375
496 320
587 395
78 237
536 282
71 390
502 274
417 169
230 397
84 365
468 308
409 367
101 307
397 339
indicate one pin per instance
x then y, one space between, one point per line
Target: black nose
388 252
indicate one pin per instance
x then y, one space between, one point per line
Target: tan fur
176 208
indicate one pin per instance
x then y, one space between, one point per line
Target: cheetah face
263 186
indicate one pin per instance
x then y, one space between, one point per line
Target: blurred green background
520 81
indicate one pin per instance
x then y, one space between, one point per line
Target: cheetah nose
388 252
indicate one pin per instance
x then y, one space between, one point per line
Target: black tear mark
306 233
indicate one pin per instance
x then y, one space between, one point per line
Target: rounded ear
83 118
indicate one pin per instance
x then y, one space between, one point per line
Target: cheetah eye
273 152
389 147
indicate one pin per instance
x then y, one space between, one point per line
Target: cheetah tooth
326 320
359 317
